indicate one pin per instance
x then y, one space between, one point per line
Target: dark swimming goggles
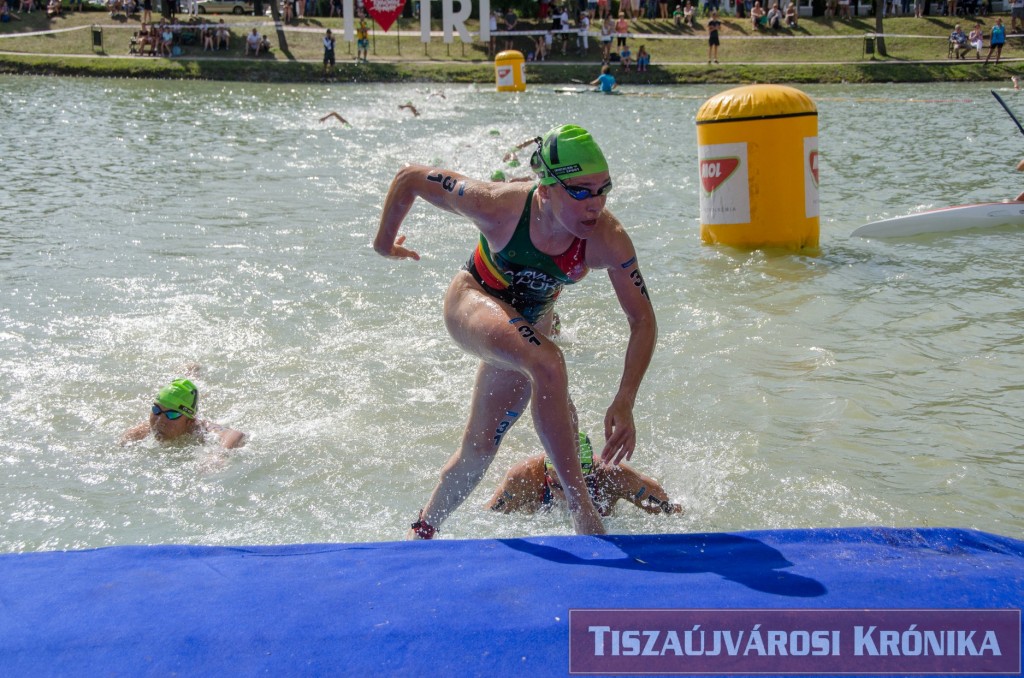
170 414
575 192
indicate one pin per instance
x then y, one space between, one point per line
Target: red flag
384 12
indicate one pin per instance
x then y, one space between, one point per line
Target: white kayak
959 218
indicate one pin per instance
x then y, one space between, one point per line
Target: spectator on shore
688 12
583 34
166 39
252 43
607 32
265 44
492 23
328 53
792 16
511 20
223 38
563 37
147 39
621 31
626 58
147 11
208 33
53 9
543 46
6 15
643 59
713 27
976 40
756 15
774 17
996 40
362 42
173 416
958 42
25 7
1017 16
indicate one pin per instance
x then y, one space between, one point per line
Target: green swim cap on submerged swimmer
586 456
180 395
568 151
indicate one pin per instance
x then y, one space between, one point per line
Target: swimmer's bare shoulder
519 489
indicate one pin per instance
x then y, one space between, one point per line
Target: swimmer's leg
499 397
495 333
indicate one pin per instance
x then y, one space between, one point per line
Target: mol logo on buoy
715 171
812 162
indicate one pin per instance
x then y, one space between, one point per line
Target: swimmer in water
173 416
409 107
334 114
532 485
534 240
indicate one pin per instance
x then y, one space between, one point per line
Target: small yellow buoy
510 71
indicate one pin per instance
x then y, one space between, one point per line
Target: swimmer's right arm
135 433
488 205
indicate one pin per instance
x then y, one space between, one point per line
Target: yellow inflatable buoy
510 71
758 163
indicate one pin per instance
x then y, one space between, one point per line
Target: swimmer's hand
399 252
619 433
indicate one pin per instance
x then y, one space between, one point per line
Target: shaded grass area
818 50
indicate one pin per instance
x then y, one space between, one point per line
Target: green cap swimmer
586 456
180 395
567 151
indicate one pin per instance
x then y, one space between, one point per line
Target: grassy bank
818 50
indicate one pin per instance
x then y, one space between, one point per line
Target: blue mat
487 607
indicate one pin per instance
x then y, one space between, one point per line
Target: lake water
151 226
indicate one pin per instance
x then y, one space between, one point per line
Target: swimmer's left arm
616 254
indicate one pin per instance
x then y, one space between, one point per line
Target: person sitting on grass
792 15
756 16
265 44
223 37
53 9
774 17
643 59
626 58
532 485
252 43
6 15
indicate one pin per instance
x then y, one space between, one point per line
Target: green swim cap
498 175
180 395
586 456
568 151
